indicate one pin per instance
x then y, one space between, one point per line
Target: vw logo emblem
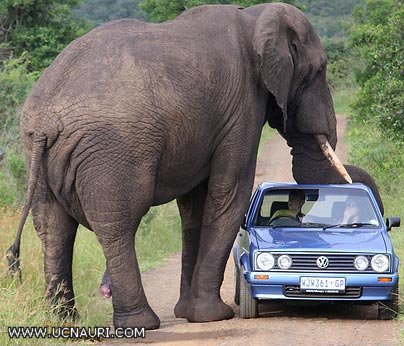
322 262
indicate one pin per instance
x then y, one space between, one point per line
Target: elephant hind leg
114 206
57 231
191 208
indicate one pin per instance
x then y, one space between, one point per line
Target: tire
236 285
388 309
248 304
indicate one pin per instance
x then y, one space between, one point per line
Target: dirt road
279 324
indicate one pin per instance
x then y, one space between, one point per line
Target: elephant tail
13 253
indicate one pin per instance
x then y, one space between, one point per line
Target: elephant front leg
191 208
226 202
57 230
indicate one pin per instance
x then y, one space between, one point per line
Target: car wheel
248 304
236 285
388 309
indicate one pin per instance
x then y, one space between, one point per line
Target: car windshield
325 208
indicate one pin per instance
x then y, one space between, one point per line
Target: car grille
307 262
294 291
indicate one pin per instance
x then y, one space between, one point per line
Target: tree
162 10
101 11
377 39
42 28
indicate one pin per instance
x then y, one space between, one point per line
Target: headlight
284 262
265 261
361 263
380 263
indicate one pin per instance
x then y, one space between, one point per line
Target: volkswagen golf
315 242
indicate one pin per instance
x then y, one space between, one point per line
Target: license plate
322 285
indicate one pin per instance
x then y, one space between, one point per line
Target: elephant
133 114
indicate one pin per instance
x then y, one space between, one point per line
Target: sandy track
279 324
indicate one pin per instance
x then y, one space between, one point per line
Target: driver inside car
295 203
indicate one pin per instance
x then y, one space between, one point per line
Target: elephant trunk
315 162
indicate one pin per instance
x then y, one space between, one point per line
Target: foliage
162 10
101 11
15 82
339 71
377 38
42 28
329 16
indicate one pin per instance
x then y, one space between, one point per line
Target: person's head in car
296 200
351 213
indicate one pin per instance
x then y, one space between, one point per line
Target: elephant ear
271 44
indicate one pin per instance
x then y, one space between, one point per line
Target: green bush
382 157
41 28
377 39
162 10
15 82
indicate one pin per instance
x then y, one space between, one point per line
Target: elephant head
292 65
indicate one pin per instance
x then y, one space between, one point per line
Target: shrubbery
32 34
40 29
15 83
377 39
162 10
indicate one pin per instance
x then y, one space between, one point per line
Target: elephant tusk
329 153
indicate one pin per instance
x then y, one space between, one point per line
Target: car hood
328 240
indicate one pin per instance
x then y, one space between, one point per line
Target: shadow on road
339 310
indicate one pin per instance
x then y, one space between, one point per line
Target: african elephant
133 115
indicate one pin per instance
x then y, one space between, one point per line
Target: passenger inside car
351 213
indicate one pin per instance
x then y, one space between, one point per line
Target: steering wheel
289 221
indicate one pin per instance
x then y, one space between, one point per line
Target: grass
342 100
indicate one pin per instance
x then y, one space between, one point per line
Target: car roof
289 185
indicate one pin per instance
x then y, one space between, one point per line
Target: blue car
316 243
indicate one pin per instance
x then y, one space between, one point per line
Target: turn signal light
261 277
384 279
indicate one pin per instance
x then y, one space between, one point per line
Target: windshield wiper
349 225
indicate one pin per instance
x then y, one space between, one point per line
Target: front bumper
359 287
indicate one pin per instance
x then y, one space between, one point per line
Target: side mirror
244 223
393 221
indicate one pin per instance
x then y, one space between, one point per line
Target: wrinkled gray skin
133 115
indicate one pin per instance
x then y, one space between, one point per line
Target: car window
337 207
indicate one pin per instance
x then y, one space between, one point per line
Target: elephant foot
204 309
143 318
181 308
